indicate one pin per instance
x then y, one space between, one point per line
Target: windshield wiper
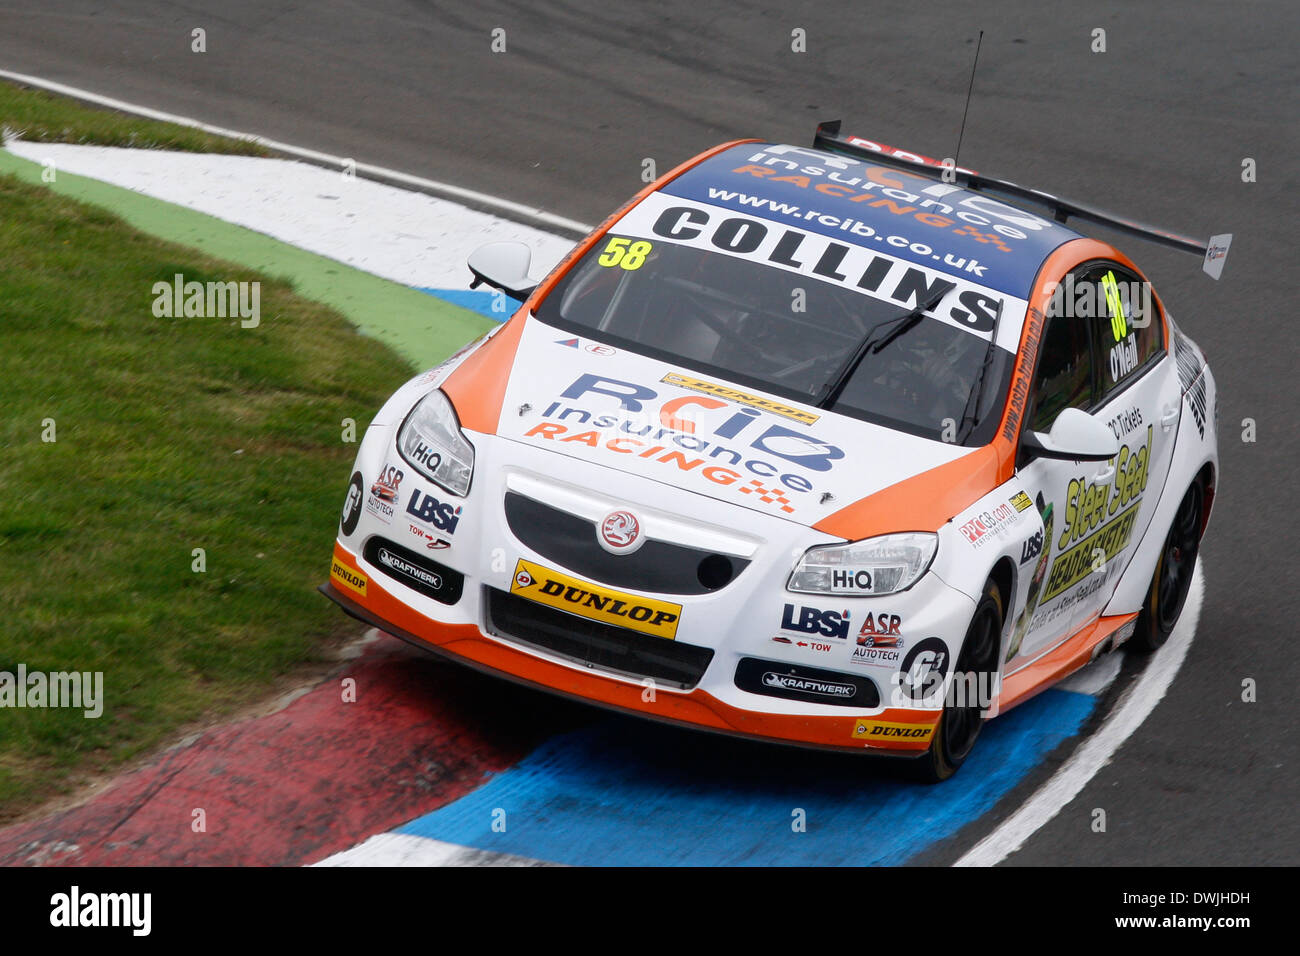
872 343
971 411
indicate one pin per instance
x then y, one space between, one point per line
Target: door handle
1102 477
1169 418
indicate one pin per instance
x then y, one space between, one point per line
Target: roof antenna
969 90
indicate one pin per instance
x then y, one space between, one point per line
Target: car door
1063 378
1138 396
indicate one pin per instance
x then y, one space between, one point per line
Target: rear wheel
960 724
1173 575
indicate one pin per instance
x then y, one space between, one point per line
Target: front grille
613 649
657 566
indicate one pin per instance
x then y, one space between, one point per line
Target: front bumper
887 730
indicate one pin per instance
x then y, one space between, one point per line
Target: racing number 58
619 253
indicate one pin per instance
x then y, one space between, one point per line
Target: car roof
904 214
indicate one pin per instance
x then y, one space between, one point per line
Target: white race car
821 446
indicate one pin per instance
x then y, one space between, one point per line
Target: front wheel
1173 575
962 719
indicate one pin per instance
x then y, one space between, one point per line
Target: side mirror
504 266
1075 436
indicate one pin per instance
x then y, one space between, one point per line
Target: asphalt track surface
1156 128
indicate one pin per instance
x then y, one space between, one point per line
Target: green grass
44 118
172 434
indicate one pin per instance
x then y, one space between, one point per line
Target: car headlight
431 441
884 565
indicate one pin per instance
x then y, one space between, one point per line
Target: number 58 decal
623 252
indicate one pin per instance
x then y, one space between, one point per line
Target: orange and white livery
836 446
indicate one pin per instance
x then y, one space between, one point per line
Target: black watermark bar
130 907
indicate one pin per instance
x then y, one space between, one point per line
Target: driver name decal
973 308
968 303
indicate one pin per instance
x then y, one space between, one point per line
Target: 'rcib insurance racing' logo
907 195
726 450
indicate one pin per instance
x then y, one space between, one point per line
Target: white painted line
1068 782
1095 677
401 849
408 237
505 206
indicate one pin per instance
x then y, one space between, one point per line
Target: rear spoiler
1214 252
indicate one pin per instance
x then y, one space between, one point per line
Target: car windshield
781 332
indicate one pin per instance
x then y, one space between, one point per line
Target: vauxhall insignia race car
820 446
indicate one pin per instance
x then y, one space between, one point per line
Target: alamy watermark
1109 297
208 300
80 690
76 908
924 686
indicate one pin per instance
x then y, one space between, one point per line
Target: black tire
1173 575
959 727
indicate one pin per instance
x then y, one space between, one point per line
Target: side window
1063 378
1125 325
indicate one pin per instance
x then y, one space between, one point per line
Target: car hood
590 402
